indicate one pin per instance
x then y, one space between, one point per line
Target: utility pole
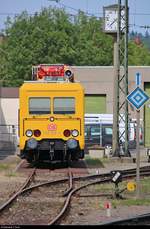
115 137
116 24
120 108
127 153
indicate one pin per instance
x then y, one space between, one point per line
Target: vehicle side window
95 131
64 105
108 130
39 105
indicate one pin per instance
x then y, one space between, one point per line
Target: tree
51 37
138 54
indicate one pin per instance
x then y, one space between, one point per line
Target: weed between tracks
129 198
48 204
7 170
96 162
4 166
109 188
131 202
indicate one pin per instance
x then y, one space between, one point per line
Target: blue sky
139 10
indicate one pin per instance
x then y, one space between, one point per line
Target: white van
99 130
141 131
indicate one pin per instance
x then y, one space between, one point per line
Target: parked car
96 134
99 130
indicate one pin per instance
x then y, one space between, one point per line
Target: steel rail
106 178
11 199
96 195
144 173
95 176
134 219
43 184
68 199
70 175
131 220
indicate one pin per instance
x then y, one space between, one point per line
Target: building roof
9 92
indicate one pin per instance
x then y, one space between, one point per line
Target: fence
8 138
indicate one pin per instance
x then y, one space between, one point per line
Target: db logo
52 126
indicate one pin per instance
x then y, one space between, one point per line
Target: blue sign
137 98
138 79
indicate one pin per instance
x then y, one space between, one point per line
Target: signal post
137 98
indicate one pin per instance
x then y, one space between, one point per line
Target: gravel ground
99 216
83 211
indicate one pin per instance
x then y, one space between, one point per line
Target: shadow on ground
58 165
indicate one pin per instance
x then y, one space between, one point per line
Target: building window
95 104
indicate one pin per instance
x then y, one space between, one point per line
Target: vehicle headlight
29 133
32 143
75 133
72 144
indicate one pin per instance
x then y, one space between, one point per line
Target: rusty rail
30 177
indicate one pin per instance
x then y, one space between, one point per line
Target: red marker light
37 133
67 133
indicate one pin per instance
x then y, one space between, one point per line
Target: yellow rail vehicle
51 121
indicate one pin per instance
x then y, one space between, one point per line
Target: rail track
72 188
141 219
17 193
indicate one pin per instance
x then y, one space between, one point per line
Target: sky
139 10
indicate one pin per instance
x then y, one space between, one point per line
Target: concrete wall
99 80
9 109
9 104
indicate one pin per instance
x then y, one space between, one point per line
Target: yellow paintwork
131 186
41 122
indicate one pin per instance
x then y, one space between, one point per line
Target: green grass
93 161
131 202
7 169
129 197
145 183
4 166
10 174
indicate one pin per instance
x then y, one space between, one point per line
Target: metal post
126 79
100 127
137 156
116 86
120 107
115 101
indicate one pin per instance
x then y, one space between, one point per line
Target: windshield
39 105
64 105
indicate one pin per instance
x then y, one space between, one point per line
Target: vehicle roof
51 86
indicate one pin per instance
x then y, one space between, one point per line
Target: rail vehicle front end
51 121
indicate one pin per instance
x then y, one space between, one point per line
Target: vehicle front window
39 105
65 105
